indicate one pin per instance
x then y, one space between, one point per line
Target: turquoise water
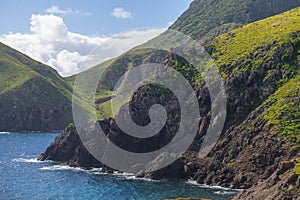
22 177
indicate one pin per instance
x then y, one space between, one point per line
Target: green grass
17 68
241 42
102 94
203 16
245 43
105 110
70 79
8 76
30 83
297 167
284 110
13 72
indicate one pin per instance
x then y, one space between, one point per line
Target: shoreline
128 176
56 166
24 132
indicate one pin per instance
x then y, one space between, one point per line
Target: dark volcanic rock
248 154
68 148
172 172
283 184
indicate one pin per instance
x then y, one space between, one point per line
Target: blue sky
145 13
62 33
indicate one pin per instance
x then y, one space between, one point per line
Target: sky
62 33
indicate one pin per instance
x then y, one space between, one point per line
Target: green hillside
239 45
213 17
259 149
260 64
247 40
33 96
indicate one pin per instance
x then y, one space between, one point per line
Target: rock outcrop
284 184
68 148
259 146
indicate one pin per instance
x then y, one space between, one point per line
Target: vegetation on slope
247 40
259 63
212 17
263 59
284 111
17 68
204 18
32 95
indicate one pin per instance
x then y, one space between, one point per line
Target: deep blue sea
23 177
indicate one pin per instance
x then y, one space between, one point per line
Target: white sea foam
4 133
192 182
224 192
128 176
122 174
66 167
27 160
98 171
95 170
142 179
61 167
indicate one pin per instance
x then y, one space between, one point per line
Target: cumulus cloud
51 42
56 10
120 13
48 27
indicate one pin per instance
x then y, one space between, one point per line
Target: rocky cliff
259 147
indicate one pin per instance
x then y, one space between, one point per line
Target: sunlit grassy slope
237 45
246 40
206 17
33 96
17 69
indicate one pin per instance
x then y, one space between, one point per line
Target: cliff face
284 183
259 147
68 148
33 97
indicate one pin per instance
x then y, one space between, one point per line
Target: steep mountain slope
276 131
204 20
33 97
259 148
213 17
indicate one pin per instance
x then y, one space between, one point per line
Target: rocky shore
258 150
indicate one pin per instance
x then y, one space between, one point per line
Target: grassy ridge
204 16
17 68
245 44
35 96
241 42
9 66
203 19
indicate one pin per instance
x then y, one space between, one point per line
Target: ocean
23 177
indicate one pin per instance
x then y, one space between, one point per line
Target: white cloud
67 61
49 27
120 13
56 10
50 42
121 43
